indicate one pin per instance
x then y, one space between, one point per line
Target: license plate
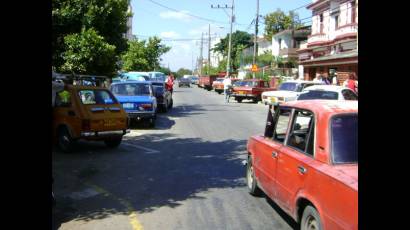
128 105
241 92
109 123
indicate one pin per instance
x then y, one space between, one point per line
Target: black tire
171 104
219 92
310 219
255 100
251 183
151 122
239 100
113 143
65 141
164 108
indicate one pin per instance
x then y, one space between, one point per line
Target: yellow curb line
136 225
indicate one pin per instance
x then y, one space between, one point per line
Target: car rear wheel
65 141
165 108
113 143
310 219
151 122
239 100
171 103
251 180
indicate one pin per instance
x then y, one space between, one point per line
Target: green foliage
107 17
165 70
212 70
88 53
143 55
181 72
278 21
240 41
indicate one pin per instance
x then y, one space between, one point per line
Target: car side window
63 99
349 95
281 124
301 134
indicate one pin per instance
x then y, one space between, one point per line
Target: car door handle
302 169
274 154
71 113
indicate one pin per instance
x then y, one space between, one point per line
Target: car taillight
146 106
86 124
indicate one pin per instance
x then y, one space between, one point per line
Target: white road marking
147 150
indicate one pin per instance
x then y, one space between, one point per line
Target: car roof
85 87
131 81
325 107
301 81
333 88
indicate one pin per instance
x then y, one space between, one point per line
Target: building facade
331 49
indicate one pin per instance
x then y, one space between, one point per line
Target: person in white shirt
227 85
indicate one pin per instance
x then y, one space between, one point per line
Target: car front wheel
239 100
251 180
310 219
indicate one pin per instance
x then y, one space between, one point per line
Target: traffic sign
254 68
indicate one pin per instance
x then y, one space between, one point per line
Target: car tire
239 100
219 92
255 100
310 219
165 107
151 122
65 141
251 183
113 143
171 104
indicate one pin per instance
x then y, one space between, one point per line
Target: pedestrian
227 88
326 80
170 83
334 80
352 83
318 78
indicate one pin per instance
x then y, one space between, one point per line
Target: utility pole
255 42
232 18
200 55
209 49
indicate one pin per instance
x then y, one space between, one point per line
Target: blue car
131 76
138 100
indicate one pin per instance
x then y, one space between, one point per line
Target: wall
285 43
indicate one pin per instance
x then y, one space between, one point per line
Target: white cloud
169 34
182 15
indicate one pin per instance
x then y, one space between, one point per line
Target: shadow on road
183 168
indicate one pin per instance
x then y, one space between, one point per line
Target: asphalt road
187 173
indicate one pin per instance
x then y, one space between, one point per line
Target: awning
335 59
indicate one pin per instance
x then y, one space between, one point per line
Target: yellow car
88 113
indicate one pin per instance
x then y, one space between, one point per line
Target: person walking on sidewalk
227 88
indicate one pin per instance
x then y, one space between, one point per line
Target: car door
65 113
265 160
294 158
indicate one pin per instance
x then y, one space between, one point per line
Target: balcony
318 38
288 52
344 30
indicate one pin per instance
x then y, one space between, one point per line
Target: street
186 173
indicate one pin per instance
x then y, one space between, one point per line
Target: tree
88 53
240 41
107 17
143 55
278 21
181 72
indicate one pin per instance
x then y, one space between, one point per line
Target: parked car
184 82
194 80
327 92
88 113
307 162
163 96
138 100
218 85
157 76
250 89
131 76
287 91
206 81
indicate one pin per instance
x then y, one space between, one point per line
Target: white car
328 92
287 91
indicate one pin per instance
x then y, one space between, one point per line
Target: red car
218 85
307 162
250 89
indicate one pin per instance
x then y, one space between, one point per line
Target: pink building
331 49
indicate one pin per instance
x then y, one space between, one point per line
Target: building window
280 43
336 22
321 23
353 7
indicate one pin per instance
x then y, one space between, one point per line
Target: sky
151 19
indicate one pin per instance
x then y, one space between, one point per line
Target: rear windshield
344 138
288 86
158 89
318 94
131 89
94 97
247 83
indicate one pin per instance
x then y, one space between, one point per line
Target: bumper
140 116
105 133
244 95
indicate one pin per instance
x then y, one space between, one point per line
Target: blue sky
151 19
